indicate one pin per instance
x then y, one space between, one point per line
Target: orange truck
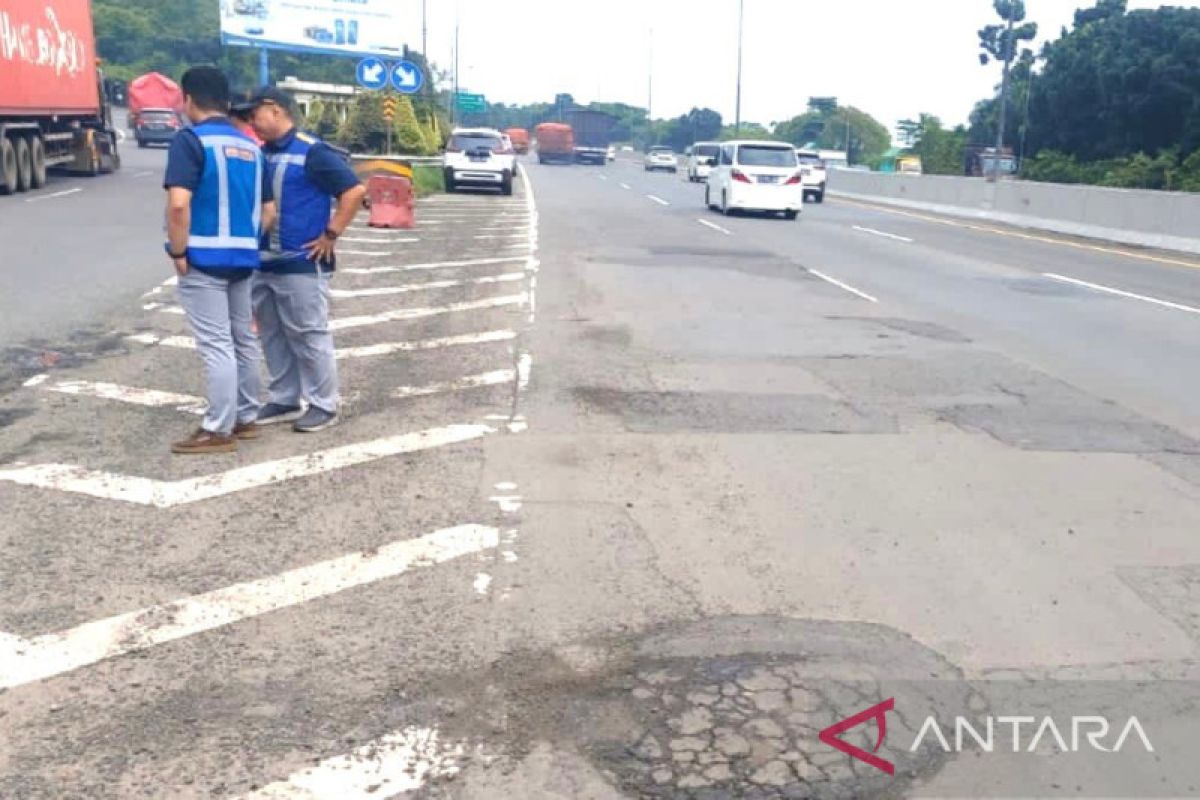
555 143
520 139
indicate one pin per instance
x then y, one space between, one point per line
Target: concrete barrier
1168 220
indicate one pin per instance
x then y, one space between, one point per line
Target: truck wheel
8 166
37 154
24 165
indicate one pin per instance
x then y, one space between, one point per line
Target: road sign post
389 114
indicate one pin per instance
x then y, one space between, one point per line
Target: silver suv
479 157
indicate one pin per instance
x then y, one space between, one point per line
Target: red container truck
520 139
153 90
52 109
555 142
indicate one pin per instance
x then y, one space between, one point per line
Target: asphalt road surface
629 500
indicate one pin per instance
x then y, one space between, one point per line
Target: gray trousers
293 324
219 313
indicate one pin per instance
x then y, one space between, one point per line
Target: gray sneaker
315 420
272 413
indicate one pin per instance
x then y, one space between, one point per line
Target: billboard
339 27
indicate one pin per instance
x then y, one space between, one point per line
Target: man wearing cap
218 203
291 292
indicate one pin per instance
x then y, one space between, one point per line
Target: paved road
77 253
630 500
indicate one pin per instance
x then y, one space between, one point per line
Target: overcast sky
892 59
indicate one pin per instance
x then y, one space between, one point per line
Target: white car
661 158
700 159
479 157
756 176
815 175
611 155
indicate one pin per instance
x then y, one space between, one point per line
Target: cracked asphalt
640 519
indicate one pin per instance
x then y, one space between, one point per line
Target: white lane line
844 286
26 661
884 234
53 195
367 240
36 380
602 177
626 186
168 494
714 226
502 236
400 762
494 378
473 262
388 348
151 398
1122 293
401 314
426 286
658 200
144 173
368 351
374 253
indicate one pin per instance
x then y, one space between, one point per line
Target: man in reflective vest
291 293
218 201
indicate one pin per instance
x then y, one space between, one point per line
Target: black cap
265 94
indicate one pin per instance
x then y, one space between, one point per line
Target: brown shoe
202 442
246 431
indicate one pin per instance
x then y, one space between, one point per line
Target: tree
823 106
908 132
365 129
1000 42
410 137
941 150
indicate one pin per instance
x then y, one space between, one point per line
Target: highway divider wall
1169 220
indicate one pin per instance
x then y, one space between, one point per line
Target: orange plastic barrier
392 202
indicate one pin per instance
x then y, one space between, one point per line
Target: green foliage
1120 83
998 42
322 119
1166 171
365 129
845 128
408 136
428 179
941 150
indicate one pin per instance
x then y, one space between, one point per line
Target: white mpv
756 176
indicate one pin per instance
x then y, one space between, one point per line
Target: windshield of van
751 155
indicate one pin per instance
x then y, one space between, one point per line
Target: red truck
555 142
519 138
52 109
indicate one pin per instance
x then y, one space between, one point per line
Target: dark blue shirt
327 170
185 165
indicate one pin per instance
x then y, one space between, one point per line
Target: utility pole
1007 49
425 31
650 80
1025 119
454 99
737 116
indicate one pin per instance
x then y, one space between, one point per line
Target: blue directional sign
372 73
407 77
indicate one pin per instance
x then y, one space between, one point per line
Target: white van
756 176
698 156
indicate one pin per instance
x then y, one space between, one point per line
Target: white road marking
475 262
53 195
508 503
524 370
402 314
144 173
168 494
602 177
658 200
714 226
367 240
885 235
397 763
165 308
505 486
843 286
374 253
502 236
1121 293
626 186
41 657
494 378
181 342
36 380
426 286
151 398
386 348
482 582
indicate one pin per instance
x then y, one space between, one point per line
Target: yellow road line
1174 262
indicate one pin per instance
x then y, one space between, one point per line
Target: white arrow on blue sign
407 77
372 73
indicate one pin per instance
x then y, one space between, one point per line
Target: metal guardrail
411 161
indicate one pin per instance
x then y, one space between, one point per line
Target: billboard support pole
264 67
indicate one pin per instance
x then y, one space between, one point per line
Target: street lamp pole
737 124
1007 52
454 99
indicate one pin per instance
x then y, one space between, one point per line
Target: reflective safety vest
227 203
304 209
